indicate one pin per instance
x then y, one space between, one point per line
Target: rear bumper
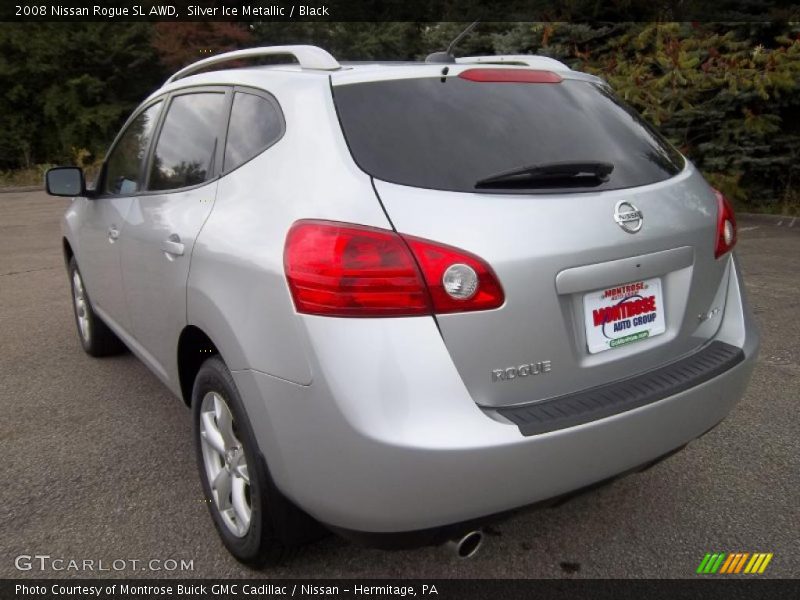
386 439
711 361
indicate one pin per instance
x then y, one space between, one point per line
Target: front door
104 217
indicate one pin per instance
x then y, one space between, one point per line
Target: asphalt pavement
98 462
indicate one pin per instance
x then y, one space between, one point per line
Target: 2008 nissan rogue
403 297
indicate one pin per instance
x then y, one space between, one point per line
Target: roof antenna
447 55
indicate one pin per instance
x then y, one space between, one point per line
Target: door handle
172 245
113 234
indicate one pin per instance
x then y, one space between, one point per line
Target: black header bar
398 10
374 589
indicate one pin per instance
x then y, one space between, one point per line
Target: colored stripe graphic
759 563
764 564
741 562
718 563
703 563
734 563
711 562
728 562
757 558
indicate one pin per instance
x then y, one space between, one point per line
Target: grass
23 177
788 206
35 175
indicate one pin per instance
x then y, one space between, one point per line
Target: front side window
255 124
124 164
187 146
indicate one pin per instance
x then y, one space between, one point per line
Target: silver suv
403 298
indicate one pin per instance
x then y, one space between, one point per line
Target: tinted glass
65 181
124 164
255 124
448 135
187 145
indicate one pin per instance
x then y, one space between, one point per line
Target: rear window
255 124
450 134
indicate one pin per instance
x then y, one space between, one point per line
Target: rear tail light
457 280
351 271
726 226
343 270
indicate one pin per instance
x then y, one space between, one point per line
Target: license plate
623 314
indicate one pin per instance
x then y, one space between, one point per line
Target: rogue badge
537 368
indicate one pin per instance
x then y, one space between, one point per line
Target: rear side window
450 134
187 146
124 164
256 123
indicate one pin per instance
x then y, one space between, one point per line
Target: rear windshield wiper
546 174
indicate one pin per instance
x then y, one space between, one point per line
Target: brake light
510 76
344 270
726 226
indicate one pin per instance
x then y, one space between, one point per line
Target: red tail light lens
510 76
343 270
351 271
438 261
726 226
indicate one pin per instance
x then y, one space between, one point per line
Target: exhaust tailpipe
467 545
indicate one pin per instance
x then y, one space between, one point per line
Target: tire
276 528
95 336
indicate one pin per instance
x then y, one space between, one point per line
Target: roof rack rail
526 60
309 57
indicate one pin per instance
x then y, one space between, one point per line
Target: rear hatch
606 274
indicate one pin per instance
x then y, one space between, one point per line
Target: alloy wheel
225 464
81 307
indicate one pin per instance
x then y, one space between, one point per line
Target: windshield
451 134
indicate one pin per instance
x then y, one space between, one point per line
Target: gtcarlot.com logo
45 562
734 563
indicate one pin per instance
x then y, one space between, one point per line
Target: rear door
163 223
604 277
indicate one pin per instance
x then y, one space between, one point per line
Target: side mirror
65 181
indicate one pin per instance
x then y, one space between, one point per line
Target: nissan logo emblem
628 217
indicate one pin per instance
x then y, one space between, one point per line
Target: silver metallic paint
388 424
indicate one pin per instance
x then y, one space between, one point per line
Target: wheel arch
194 347
66 248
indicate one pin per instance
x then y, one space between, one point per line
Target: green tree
180 44
67 88
348 41
727 94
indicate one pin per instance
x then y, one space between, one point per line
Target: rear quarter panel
237 290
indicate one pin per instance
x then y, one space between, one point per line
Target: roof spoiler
523 60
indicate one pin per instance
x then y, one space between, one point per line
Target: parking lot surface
98 461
